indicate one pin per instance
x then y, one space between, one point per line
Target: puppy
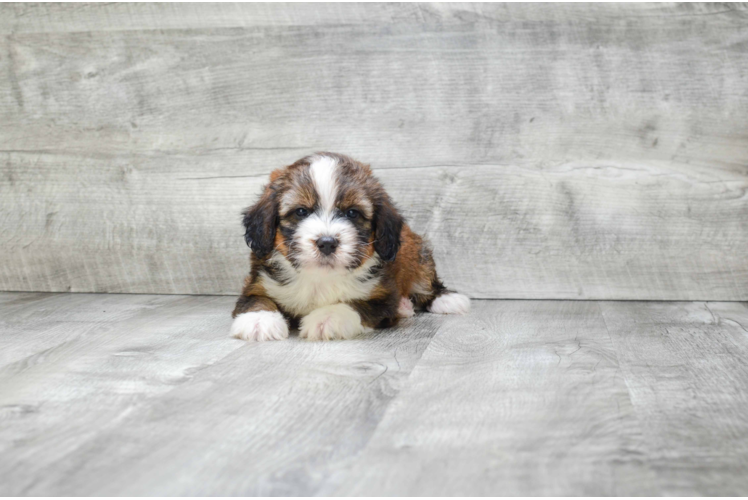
332 256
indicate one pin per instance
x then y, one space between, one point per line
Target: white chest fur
302 291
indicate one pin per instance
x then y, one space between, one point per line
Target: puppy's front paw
405 308
260 326
450 303
338 321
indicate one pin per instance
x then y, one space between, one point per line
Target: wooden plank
146 395
165 403
516 399
571 230
599 88
548 153
685 366
36 323
60 17
96 359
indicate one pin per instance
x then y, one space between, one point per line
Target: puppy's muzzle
327 244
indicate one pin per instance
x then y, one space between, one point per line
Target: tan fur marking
406 266
379 292
253 298
276 173
353 198
302 196
262 304
280 244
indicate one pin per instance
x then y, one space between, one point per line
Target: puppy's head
324 211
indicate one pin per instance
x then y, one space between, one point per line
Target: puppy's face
324 211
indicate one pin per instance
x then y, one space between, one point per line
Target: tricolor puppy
332 256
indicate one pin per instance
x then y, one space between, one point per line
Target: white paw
260 326
450 303
405 308
338 321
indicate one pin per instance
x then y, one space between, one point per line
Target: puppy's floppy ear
388 223
260 222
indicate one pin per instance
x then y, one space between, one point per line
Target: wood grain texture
512 231
32 323
685 367
83 17
146 395
517 399
97 359
143 395
568 151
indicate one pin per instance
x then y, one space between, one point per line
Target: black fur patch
388 225
260 222
274 271
381 313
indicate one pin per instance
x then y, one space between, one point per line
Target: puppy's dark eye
352 213
301 212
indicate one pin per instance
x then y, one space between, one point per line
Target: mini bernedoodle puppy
332 256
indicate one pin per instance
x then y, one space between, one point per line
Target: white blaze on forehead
324 173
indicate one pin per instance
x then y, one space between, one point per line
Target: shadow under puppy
331 254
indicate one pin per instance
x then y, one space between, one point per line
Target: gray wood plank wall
548 151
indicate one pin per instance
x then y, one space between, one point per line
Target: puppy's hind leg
450 303
430 293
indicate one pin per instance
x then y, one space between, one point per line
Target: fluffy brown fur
384 257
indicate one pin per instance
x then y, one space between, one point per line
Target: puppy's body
331 254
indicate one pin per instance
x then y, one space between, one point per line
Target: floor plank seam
626 381
353 461
718 319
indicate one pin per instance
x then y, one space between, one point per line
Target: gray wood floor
145 394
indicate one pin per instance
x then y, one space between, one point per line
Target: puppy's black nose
327 244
